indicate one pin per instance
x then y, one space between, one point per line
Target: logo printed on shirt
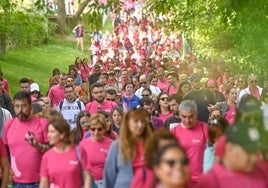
73 162
196 141
103 150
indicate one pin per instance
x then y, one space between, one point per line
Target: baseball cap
245 135
194 77
249 105
34 87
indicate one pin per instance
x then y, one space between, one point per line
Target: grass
38 62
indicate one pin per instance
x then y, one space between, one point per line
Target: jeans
25 185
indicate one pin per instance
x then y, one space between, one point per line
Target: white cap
34 87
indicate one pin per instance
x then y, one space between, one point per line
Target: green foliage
236 31
26 29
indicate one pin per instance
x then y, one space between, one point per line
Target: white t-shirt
70 111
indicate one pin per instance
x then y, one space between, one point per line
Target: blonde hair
97 118
127 142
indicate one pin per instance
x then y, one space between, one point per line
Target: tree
233 30
61 17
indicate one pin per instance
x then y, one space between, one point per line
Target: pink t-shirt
193 140
220 146
62 169
93 155
143 177
25 159
5 86
84 69
163 85
2 149
163 117
56 94
93 107
172 90
230 114
220 177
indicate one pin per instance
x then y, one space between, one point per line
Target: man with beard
24 136
174 102
99 102
70 106
203 97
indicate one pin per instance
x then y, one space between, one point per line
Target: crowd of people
137 113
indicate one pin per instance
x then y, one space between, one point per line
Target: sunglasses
164 99
143 83
172 162
253 81
111 74
110 99
145 95
98 129
34 92
240 81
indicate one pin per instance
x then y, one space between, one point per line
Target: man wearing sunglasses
145 84
252 89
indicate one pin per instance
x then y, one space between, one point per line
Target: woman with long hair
163 110
60 165
76 76
110 133
117 117
82 126
145 177
125 156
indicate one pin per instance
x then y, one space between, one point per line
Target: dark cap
249 105
194 77
245 135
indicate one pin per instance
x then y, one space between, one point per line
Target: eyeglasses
70 80
83 123
34 92
145 95
98 129
253 81
240 81
164 98
172 162
143 83
110 99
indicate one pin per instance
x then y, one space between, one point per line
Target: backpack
78 103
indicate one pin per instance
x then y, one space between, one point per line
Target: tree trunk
2 45
78 13
61 17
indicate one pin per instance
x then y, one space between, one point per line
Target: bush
25 29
